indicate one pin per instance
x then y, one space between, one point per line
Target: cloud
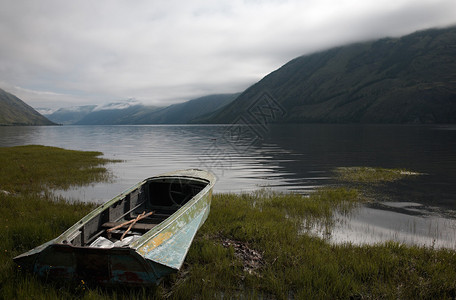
117 105
56 53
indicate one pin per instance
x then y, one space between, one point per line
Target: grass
34 168
300 266
371 175
251 246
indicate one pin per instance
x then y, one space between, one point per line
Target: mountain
113 115
393 80
121 113
109 113
14 111
184 113
68 115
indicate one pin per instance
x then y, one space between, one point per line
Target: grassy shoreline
251 246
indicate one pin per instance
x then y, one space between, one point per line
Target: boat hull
101 266
150 256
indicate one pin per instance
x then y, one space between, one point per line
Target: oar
140 217
131 225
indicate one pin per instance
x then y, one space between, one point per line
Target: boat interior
135 213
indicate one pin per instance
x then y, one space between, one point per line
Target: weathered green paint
172 251
157 253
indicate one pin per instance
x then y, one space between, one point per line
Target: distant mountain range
133 113
187 112
393 80
14 111
68 115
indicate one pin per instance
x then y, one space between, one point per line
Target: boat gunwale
181 174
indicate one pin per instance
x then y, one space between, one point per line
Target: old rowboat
136 238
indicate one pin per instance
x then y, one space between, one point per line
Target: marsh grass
292 265
299 266
371 175
37 168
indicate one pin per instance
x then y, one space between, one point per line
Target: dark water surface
282 157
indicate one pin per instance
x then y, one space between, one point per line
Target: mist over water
295 158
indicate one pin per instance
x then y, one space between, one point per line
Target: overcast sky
56 53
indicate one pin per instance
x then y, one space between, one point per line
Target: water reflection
407 223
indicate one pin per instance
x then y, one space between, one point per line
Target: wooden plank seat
136 226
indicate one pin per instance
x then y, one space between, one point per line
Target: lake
295 158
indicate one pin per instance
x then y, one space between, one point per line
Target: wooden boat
136 238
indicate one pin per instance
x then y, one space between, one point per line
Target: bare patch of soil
251 258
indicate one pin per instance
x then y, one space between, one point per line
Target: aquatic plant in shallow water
371 175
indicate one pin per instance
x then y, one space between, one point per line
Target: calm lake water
287 158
